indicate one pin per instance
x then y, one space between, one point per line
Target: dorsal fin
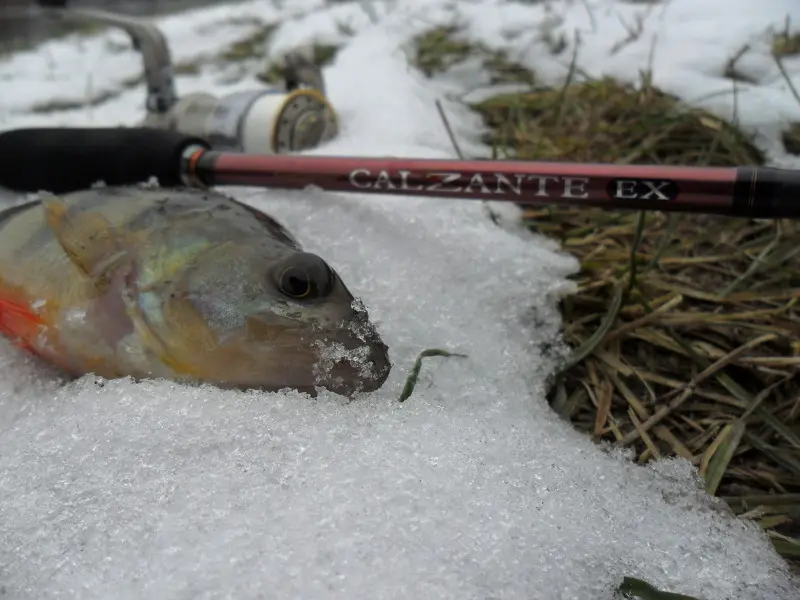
86 236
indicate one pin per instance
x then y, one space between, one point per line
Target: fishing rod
67 159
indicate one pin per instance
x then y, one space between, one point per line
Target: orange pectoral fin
19 323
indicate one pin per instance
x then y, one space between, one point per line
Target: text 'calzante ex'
517 184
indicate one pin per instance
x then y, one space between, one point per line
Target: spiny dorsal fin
90 241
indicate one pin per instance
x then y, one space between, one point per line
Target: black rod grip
66 159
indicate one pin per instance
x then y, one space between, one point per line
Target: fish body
181 284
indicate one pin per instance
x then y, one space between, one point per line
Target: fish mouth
346 358
350 359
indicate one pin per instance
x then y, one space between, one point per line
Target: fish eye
305 277
296 283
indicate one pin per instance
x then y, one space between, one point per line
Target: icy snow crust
471 489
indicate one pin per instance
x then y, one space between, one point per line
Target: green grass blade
722 457
636 588
413 375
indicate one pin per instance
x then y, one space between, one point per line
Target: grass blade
636 588
720 460
413 375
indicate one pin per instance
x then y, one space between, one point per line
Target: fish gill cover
472 488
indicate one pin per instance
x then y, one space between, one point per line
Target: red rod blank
687 189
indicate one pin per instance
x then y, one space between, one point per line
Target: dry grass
251 46
441 49
323 56
786 44
56 30
791 138
254 49
685 328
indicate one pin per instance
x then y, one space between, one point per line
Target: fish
181 284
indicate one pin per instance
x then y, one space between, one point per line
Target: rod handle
768 193
67 159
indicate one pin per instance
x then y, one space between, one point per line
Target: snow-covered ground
471 489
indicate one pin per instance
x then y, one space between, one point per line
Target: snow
472 488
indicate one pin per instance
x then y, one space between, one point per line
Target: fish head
284 319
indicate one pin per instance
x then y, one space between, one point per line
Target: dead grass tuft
275 72
791 138
685 327
440 49
56 30
786 44
250 47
